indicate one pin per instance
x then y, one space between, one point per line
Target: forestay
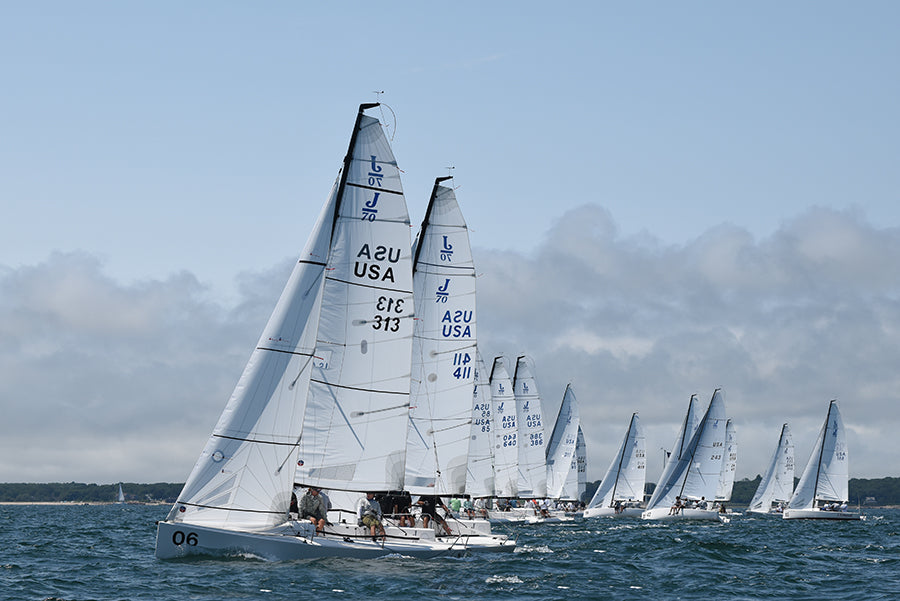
354 427
443 356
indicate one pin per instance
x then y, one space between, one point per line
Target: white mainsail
688 427
506 431
695 474
729 464
624 479
354 426
529 409
561 449
827 473
480 479
777 484
576 482
443 356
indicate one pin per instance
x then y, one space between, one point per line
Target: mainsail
480 480
529 410
827 473
356 417
729 464
506 431
443 355
777 484
561 449
625 477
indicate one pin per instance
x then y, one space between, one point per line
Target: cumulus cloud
104 380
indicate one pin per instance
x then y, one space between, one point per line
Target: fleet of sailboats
367 378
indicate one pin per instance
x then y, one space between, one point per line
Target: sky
663 198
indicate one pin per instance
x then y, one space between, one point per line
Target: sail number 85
180 538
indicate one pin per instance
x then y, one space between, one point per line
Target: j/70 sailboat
777 484
694 475
621 491
822 491
333 363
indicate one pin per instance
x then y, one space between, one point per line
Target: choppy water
106 552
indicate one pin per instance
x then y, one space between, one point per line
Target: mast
348 158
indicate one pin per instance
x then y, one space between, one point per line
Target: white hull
662 513
555 516
610 512
298 540
818 514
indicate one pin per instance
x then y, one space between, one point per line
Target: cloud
782 324
104 380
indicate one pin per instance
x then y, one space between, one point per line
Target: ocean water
105 552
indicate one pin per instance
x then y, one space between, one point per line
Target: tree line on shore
863 491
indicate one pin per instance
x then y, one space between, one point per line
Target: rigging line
254 441
362 413
377 189
466 423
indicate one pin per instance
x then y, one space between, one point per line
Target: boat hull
610 512
819 514
662 513
295 541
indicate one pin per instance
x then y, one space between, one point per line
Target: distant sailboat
561 448
822 492
121 496
694 475
621 490
777 485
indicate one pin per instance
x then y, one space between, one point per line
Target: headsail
529 409
354 426
576 482
506 431
561 449
443 358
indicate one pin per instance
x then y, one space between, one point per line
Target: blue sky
690 176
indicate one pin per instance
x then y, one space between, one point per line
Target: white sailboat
532 446
333 362
576 482
621 490
505 444
561 448
822 492
729 464
120 498
777 485
694 475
